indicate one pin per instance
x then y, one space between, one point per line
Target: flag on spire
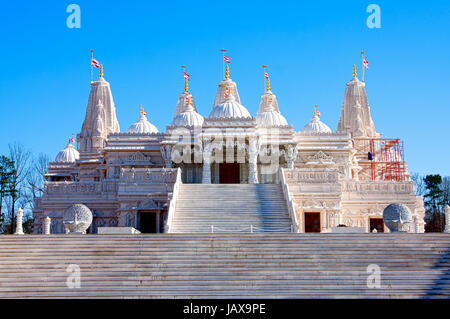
95 63
365 63
186 76
226 58
266 75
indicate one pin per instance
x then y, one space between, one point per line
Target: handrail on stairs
173 201
289 201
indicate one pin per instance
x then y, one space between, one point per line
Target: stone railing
289 201
173 202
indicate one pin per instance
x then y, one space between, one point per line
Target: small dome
271 118
229 109
142 125
67 155
188 118
315 125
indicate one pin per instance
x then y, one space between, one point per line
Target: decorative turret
226 84
186 112
355 114
269 112
100 119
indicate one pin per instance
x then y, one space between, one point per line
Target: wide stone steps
260 265
230 208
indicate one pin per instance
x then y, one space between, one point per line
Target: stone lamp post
19 221
447 219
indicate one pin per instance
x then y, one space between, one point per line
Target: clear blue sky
309 46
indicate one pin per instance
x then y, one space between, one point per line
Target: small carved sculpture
397 217
77 219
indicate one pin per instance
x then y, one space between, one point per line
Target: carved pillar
166 152
19 220
253 161
46 225
206 175
447 219
291 155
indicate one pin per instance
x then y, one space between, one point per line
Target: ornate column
253 161
46 225
447 219
166 151
291 155
206 175
19 220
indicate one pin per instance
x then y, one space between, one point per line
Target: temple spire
354 70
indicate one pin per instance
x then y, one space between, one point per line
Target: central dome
230 109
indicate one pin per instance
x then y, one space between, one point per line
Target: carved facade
123 176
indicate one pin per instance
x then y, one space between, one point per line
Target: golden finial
227 72
101 70
185 78
142 110
316 110
266 77
354 71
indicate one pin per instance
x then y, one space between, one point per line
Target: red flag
186 76
95 63
226 59
366 63
266 75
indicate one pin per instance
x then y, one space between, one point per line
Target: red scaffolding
387 159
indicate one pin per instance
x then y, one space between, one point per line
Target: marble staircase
206 208
221 265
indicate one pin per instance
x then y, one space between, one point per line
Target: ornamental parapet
295 176
84 188
379 187
149 175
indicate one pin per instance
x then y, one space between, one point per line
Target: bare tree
36 178
419 184
20 158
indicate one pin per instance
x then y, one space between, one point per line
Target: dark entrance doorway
378 224
229 173
312 222
148 222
